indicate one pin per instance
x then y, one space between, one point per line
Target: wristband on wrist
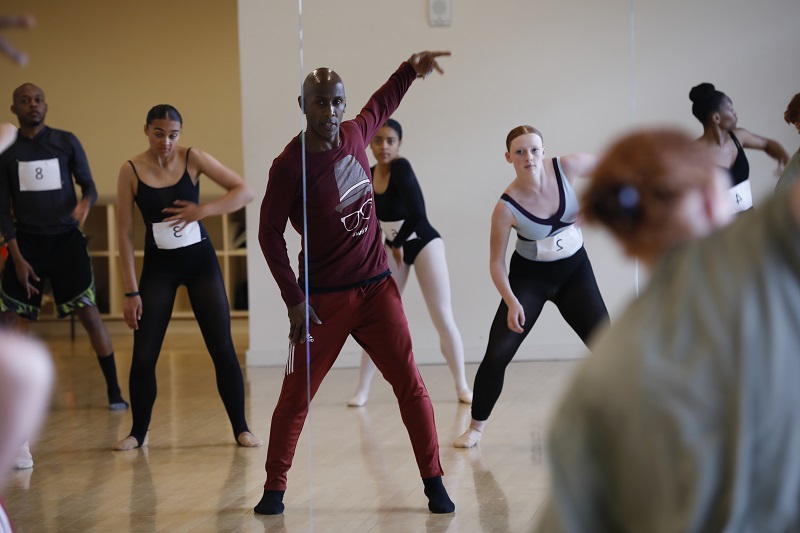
131 294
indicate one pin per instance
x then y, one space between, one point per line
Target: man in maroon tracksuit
350 290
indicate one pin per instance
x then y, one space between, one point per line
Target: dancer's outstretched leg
383 332
89 318
367 369
438 500
158 297
337 312
503 344
434 281
472 435
246 439
271 502
210 305
365 374
130 443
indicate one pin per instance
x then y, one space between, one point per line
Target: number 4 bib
742 196
36 176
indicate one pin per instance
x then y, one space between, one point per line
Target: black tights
568 283
163 272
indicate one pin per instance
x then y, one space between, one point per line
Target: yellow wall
103 64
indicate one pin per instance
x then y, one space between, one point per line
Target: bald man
350 291
43 234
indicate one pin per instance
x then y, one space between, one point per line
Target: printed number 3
175 230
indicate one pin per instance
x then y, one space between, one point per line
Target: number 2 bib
36 176
559 246
169 237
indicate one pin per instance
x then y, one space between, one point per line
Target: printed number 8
39 173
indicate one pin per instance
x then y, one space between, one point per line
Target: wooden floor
353 472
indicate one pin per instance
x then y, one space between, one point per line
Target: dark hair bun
706 99
702 92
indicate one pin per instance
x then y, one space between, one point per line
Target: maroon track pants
374 316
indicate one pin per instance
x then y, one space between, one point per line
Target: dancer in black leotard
177 252
549 264
714 109
411 241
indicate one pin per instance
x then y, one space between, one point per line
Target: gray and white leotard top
535 240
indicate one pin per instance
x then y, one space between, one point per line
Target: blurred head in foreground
656 188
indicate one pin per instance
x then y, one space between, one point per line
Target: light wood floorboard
353 472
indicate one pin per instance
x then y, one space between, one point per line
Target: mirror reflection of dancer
791 172
702 368
350 289
549 263
164 181
43 234
714 109
411 241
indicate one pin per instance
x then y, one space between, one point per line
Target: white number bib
168 237
742 196
560 246
42 175
391 228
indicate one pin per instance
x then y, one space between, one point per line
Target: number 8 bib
38 176
169 237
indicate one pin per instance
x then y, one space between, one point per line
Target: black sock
271 502
109 368
438 500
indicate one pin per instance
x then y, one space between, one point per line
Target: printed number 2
39 173
558 243
175 230
738 199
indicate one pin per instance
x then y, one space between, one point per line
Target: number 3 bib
391 227
36 176
169 237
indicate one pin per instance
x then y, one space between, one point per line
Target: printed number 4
738 199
